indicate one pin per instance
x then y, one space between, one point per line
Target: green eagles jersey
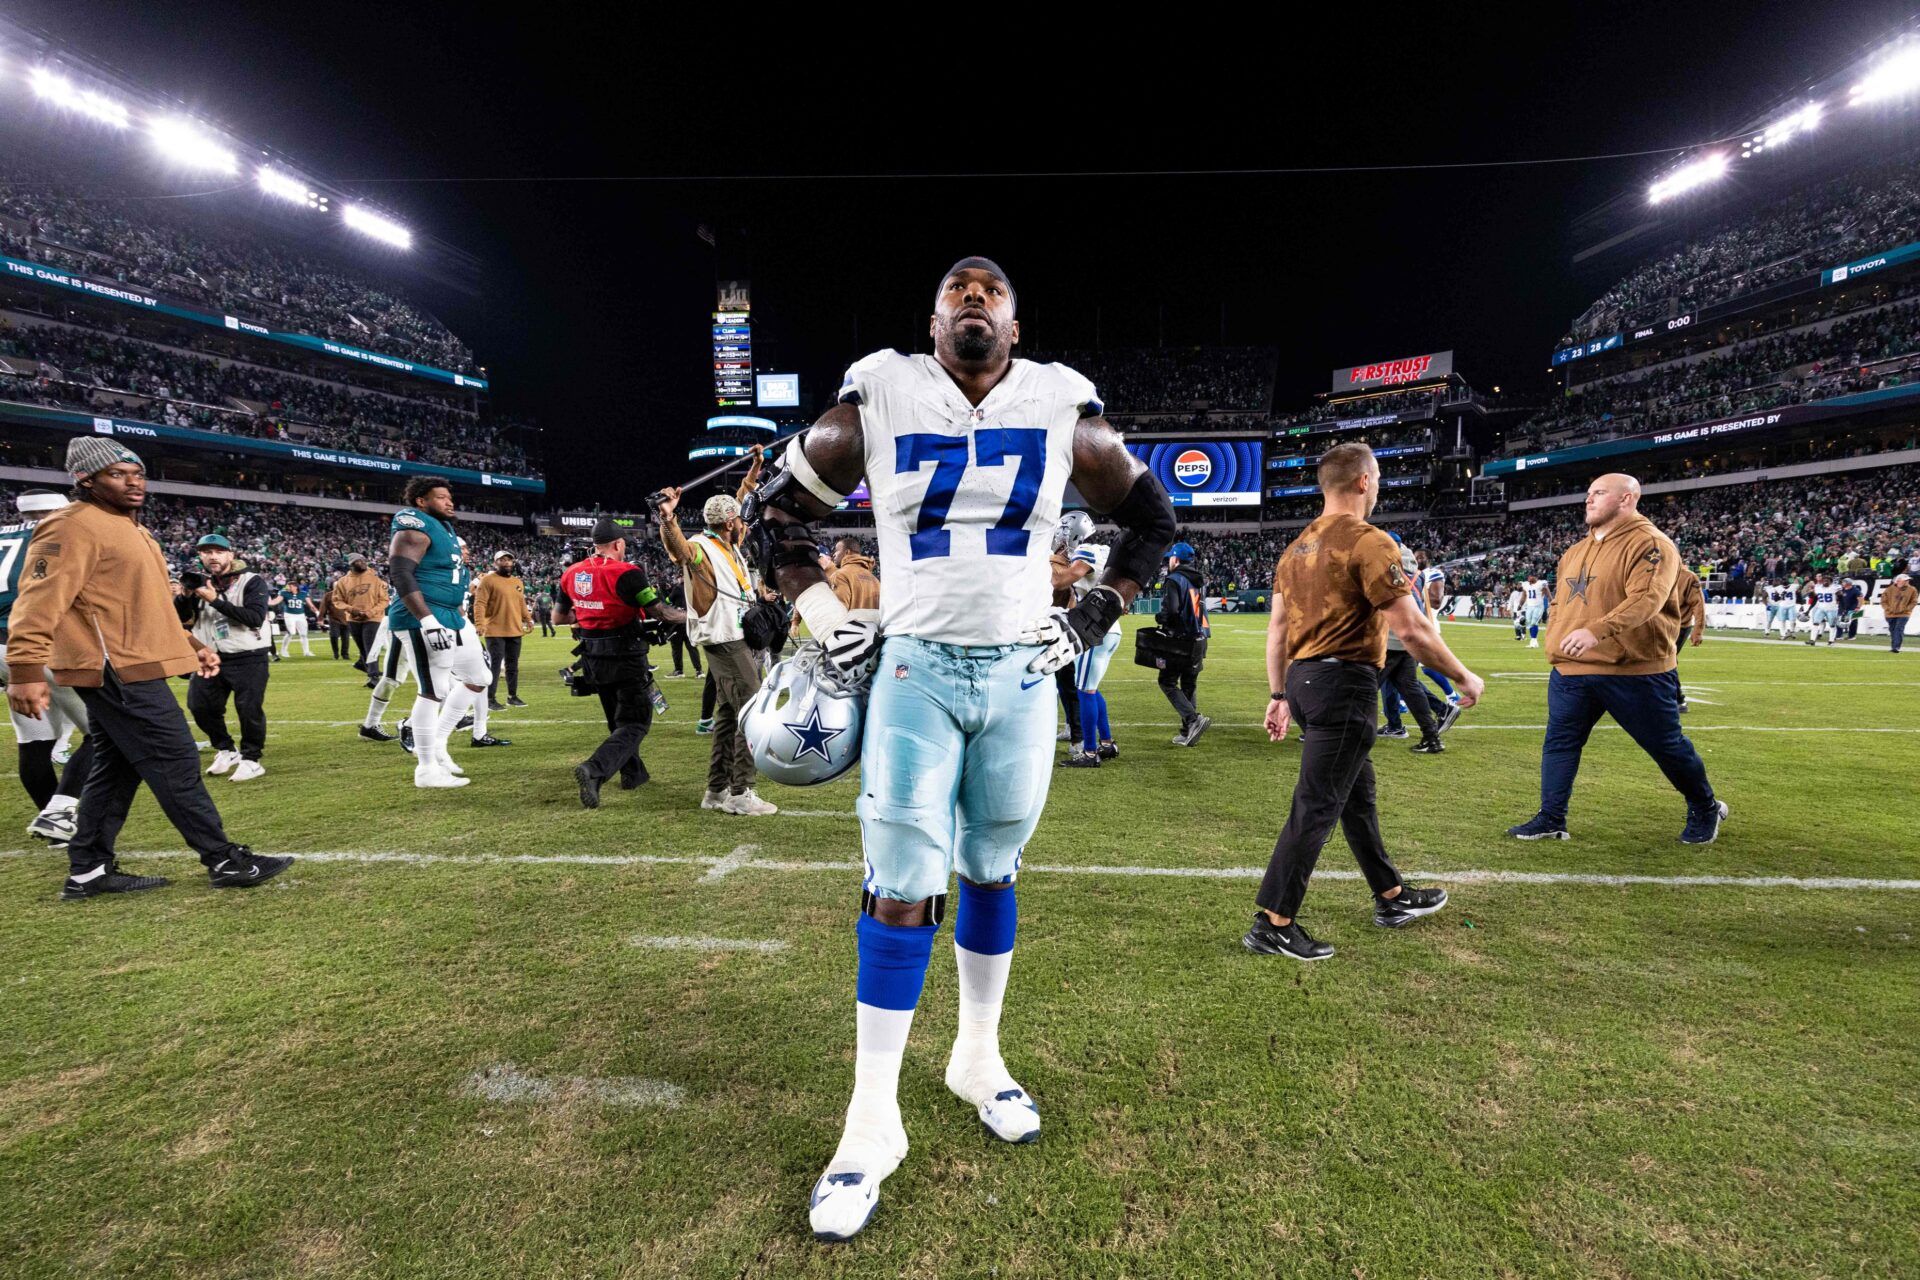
443 579
13 553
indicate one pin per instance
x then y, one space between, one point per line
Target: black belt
1341 662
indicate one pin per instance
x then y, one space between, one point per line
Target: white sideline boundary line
735 862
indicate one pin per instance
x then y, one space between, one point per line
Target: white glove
436 633
1061 644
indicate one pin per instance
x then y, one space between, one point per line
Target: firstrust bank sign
1393 373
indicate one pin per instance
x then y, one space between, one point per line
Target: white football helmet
1074 528
804 725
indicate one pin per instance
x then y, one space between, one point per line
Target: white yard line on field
735 862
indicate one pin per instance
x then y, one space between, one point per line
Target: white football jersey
1514 599
965 499
1826 595
1426 578
1777 596
1095 554
1536 592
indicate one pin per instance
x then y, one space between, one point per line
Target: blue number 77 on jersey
993 446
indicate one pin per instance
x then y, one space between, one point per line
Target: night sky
592 319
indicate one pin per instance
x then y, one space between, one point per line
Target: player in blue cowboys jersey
449 661
967 453
57 797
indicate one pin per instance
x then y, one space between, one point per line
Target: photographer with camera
226 610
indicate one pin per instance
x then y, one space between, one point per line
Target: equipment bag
1153 647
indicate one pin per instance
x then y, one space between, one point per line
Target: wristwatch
1276 697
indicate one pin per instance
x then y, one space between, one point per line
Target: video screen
1205 473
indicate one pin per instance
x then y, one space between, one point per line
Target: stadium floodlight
1688 176
185 145
367 222
285 186
1898 73
60 91
1782 130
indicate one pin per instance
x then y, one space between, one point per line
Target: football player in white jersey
967 453
1536 593
1430 584
1783 607
1516 601
1085 568
1823 605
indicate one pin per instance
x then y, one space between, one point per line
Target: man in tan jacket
360 598
1897 603
853 579
502 616
1611 640
95 606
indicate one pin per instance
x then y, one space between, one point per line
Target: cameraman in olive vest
226 609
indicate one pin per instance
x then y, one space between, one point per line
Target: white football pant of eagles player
967 454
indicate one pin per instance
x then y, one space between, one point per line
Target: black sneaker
491 741
515 702
495 706
1080 760
242 868
466 722
1683 706
113 880
1541 827
1407 906
1703 825
406 736
1197 726
1269 939
374 733
1428 747
1394 731
1109 751
1447 718
589 787
370 682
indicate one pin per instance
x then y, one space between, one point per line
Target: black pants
140 736
684 651
707 696
363 634
629 711
207 702
504 651
1333 704
1403 673
1178 684
337 637
1069 688
546 624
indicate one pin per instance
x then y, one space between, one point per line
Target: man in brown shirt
853 578
1612 642
501 616
1336 589
360 598
1897 603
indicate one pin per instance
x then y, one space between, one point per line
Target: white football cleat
1007 1110
223 761
849 1191
1533 644
247 770
426 775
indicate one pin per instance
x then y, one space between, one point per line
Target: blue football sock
985 920
1533 633
1446 686
893 963
1106 729
1089 720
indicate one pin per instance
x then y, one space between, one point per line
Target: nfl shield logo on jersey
583 583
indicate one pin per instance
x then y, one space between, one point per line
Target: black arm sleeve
631 586
401 569
251 611
1147 529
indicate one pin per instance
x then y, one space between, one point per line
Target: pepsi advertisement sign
1205 473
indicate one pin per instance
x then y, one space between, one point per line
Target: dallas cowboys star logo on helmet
812 736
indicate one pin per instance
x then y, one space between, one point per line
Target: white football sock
874 1140
426 723
479 715
459 701
983 988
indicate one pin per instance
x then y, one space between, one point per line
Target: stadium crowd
1872 208
1151 379
1848 355
185 254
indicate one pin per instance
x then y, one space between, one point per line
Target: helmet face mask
804 726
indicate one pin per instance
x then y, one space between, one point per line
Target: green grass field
1547 1079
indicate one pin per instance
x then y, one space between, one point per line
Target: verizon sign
1393 373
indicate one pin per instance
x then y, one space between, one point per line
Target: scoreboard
732 346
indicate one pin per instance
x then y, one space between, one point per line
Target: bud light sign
1205 473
